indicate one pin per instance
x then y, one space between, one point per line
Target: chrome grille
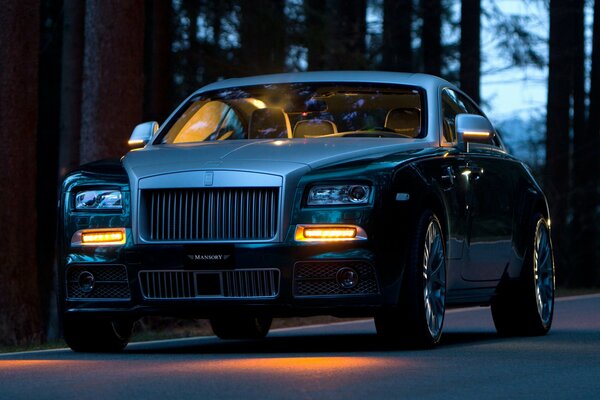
248 283
210 214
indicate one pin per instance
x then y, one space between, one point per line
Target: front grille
210 214
110 282
248 283
318 278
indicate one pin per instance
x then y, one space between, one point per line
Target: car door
489 184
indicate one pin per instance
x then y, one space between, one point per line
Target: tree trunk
470 44
397 35
431 37
70 89
51 27
585 163
158 57
348 46
216 64
113 85
194 56
593 126
262 37
70 115
316 35
556 180
20 319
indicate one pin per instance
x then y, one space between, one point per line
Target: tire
526 307
96 336
241 327
419 318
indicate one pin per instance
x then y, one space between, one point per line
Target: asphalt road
339 361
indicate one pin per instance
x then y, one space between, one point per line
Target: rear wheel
419 318
241 327
526 307
96 336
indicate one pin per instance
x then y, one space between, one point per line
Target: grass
159 328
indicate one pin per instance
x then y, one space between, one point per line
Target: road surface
339 361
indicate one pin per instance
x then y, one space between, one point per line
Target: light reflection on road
287 365
236 366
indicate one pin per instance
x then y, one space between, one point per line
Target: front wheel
96 336
528 307
241 327
419 318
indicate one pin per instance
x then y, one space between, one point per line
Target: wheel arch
425 194
532 203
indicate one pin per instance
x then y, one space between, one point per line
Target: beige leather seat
314 128
269 123
405 121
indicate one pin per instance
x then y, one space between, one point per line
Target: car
346 193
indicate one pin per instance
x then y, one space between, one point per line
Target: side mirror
142 134
472 128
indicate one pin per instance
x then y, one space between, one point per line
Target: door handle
448 175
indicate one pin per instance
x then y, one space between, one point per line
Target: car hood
279 157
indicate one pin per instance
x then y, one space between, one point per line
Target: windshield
300 111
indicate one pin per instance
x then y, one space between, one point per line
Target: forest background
77 75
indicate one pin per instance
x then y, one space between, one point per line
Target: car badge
209 178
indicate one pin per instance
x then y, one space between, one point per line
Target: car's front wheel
241 327
419 318
526 306
96 335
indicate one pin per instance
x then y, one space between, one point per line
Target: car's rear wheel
241 327
419 318
526 307
96 336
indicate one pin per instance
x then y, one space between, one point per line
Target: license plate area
208 284
209 257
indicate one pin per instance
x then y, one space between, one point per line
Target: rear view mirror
142 134
472 128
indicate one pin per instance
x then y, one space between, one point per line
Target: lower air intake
244 284
110 282
319 278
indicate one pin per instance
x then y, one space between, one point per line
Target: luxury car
353 194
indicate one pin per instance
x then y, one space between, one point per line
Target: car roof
429 82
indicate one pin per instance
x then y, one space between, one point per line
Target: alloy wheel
434 279
543 272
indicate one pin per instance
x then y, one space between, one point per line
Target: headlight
98 200
338 195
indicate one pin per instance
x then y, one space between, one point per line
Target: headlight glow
98 200
338 195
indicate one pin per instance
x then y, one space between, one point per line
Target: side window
451 107
471 108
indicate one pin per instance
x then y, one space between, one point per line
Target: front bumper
160 280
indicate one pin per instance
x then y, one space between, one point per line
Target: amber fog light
329 233
347 278
99 237
86 281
